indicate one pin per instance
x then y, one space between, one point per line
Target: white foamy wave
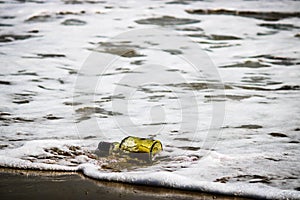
24 164
173 180
45 155
66 156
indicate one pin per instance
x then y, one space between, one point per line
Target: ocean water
217 82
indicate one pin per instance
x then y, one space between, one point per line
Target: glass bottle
135 147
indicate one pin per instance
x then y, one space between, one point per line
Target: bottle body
140 145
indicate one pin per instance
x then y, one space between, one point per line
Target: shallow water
48 122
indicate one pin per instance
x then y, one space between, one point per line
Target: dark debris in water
5 82
82 1
199 86
246 64
86 113
249 178
33 1
155 97
91 110
222 180
260 80
250 126
196 29
21 119
223 37
282 88
151 91
5 25
50 55
89 137
157 124
45 88
70 70
183 139
137 62
214 36
21 101
48 17
198 35
263 15
273 159
40 18
294 142
228 96
253 178
33 31
289 87
52 117
223 46
173 51
8 119
7 17
73 22
24 133
71 151
167 21
191 86
123 49
3 146
110 98
180 2
125 71
278 135
13 37
67 103
190 148
25 73
4 114
266 33
70 12
285 27
267 56
278 60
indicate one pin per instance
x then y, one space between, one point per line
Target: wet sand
28 184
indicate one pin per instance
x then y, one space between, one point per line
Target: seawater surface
47 123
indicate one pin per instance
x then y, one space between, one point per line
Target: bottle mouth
103 149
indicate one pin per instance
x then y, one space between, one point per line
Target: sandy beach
29 184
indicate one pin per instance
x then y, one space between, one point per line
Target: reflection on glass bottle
134 147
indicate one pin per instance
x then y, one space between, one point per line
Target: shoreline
34 184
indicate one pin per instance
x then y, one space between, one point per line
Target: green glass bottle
134 147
